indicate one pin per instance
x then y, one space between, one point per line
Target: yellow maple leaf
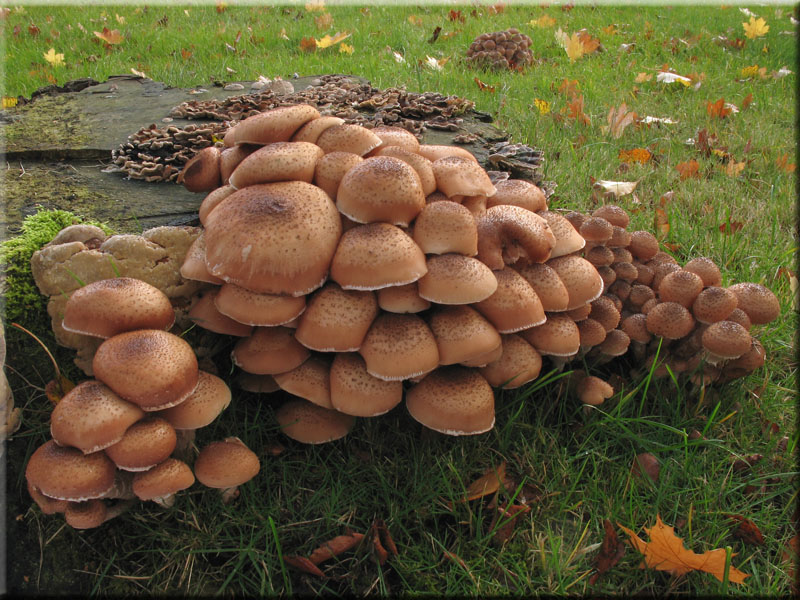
543 21
750 71
665 552
327 41
640 155
755 28
542 105
347 49
54 59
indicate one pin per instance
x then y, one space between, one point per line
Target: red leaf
334 547
455 15
688 169
717 109
731 227
483 86
33 30
747 530
435 35
303 564
610 552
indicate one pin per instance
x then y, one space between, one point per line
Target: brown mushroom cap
91 417
310 380
453 400
336 320
580 278
257 384
456 279
275 125
645 273
747 363
273 238
419 163
706 268
226 464
456 175
568 240
85 515
194 263
596 230
434 152
202 173
309 423
348 138
461 334
726 340
230 158
636 327
269 350
66 473
396 136
592 332
280 161
446 226
331 168
49 506
518 192
145 444
355 392
205 314
757 301
614 214
615 344
639 295
548 286
670 320
509 233
514 305
621 238
580 313
518 364
680 286
714 304
252 308
110 306
557 336
369 257
625 271
166 478
593 390
213 199
210 397
660 270
149 367
402 299
398 347
739 316
644 245
605 312
381 188
311 131
600 256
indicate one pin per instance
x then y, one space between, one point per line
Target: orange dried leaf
718 109
110 36
618 119
661 223
784 164
455 15
303 564
498 8
610 552
186 54
569 87
748 100
640 155
324 21
57 388
221 6
688 169
386 537
589 43
334 547
747 530
483 86
415 20
733 168
642 77
576 111
731 227
665 552
487 484
308 44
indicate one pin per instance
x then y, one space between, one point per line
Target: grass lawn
732 199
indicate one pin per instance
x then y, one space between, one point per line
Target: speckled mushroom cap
596 230
275 125
210 397
593 390
402 299
194 263
166 478
110 306
580 313
396 136
434 152
453 400
580 278
144 445
615 343
600 256
680 286
331 168
747 363
227 463
309 423
557 336
461 333
66 473
626 271
614 214
419 163
726 340
757 301
591 332
398 347
660 270
644 245
310 380
714 304
336 320
518 364
252 308
148 367
620 238
739 316
311 131
670 320
355 392
514 305
459 176
230 158
456 279
518 192
568 240
548 286
639 295
376 255
706 268
85 515
202 173
605 312
212 200
280 161
91 417
205 314
636 327
381 188
508 233
348 138
273 238
269 350
446 226
49 506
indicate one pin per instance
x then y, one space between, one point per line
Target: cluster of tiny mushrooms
357 266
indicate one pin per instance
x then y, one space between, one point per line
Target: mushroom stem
118 508
229 494
185 448
122 488
166 501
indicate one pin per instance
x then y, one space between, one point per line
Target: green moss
23 303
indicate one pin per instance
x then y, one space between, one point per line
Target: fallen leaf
324 21
284 35
57 388
110 36
611 551
642 77
569 87
669 77
733 168
33 30
328 41
334 547
498 8
748 72
688 169
665 552
435 64
784 165
483 86
748 100
54 59
791 555
385 536
542 106
543 22
657 120
747 530
308 44
9 102
185 54
782 72
221 6
138 73
303 564
589 43
435 34
576 111
645 463
661 223
618 119
508 515
398 58
315 5
718 109
618 188
346 49
640 155
486 484
455 15
755 28
609 29
572 45
415 20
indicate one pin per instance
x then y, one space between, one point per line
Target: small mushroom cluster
117 437
499 50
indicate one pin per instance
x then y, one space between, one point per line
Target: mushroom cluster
499 50
119 436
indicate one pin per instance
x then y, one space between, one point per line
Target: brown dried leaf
308 44
640 155
688 169
576 111
748 100
324 21
415 20
646 463
435 35
589 43
747 530
661 223
33 30
386 537
784 165
486 484
303 564
509 517
455 15
110 36
483 86
718 109
610 552
57 388
731 227
618 119
334 547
